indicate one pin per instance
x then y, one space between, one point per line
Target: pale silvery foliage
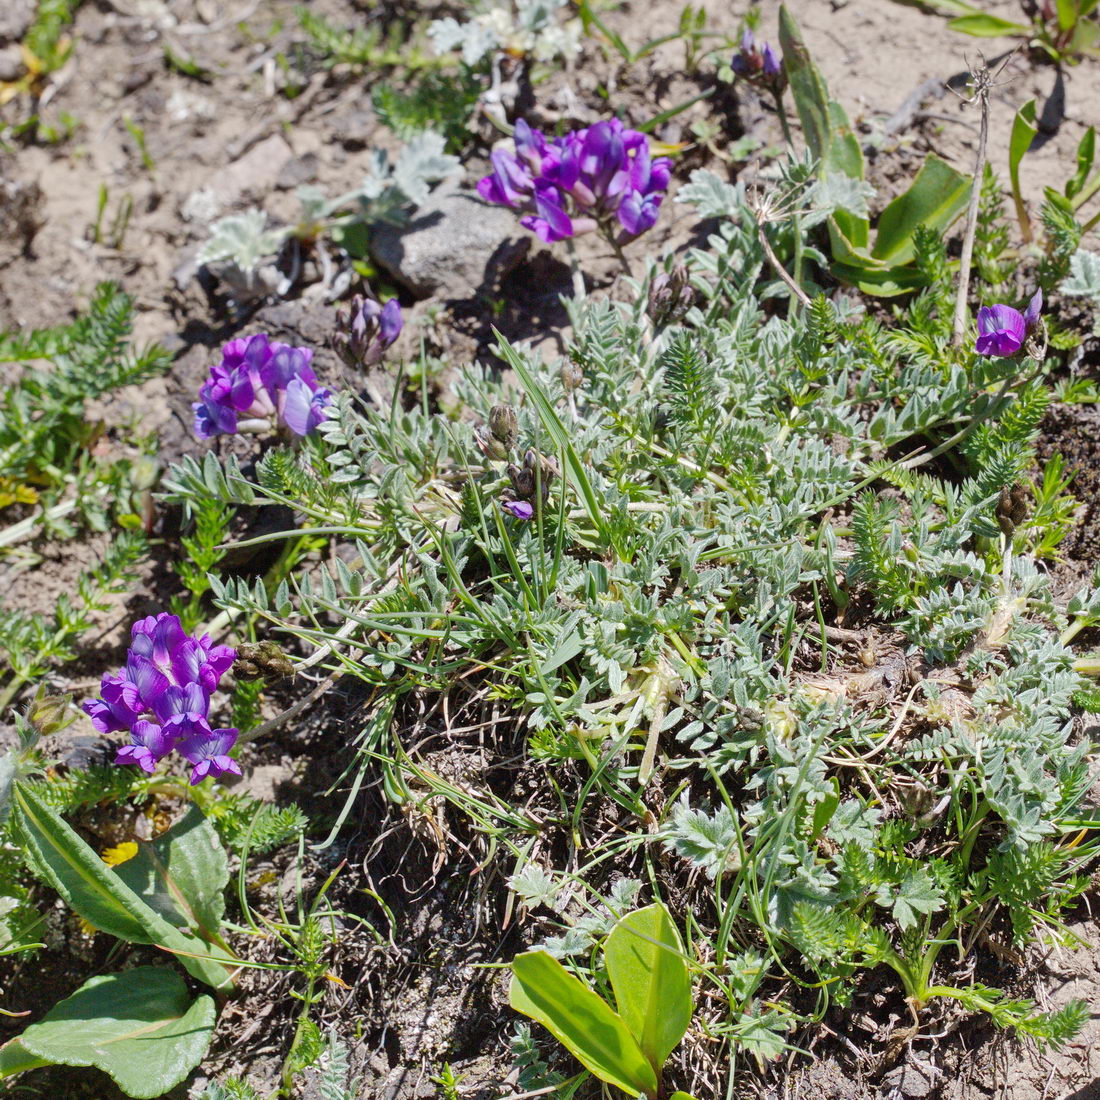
527 26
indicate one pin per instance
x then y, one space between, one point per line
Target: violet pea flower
162 697
1002 330
520 509
208 751
248 390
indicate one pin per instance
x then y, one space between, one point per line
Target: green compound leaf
581 1021
645 963
95 892
140 1027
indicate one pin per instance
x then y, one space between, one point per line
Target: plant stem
781 111
982 81
575 269
780 270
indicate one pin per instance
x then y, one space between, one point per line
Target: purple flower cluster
259 386
162 697
601 177
760 64
1002 330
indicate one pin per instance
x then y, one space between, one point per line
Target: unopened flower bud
363 334
489 445
504 426
50 713
261 661
671 295
571 376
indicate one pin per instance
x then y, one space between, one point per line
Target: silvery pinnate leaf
242 239
836 192
421 162
711 195
475 39
1084 275
535 886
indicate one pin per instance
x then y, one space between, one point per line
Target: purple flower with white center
208 751
1002 330
599 178
363 336
248 390
162 695
521 509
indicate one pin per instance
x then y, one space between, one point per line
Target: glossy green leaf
1086 155
988 26
182 875
140 1027
682 1096
936 197
581 1021
15 1058
95 892
811 96
1067 11
652 984
1023 133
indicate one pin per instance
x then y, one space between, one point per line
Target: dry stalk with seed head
982 80
769 207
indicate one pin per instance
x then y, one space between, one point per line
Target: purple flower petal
1002 331
1034 308
521 509
390 322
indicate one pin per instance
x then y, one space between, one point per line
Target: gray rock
11 63
16 17
454 246
296 171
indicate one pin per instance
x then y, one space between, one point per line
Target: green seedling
652 987
936 197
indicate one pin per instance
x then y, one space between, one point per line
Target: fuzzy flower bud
504 426
572 376
363 335
671 295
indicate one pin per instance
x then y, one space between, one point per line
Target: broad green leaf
651 981
15 1058
682 1096
581 1021
936 197
1086 154
988 26
95 892
1023 133
140 1027
881 282
182 875
1067 13
811 96
845 157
